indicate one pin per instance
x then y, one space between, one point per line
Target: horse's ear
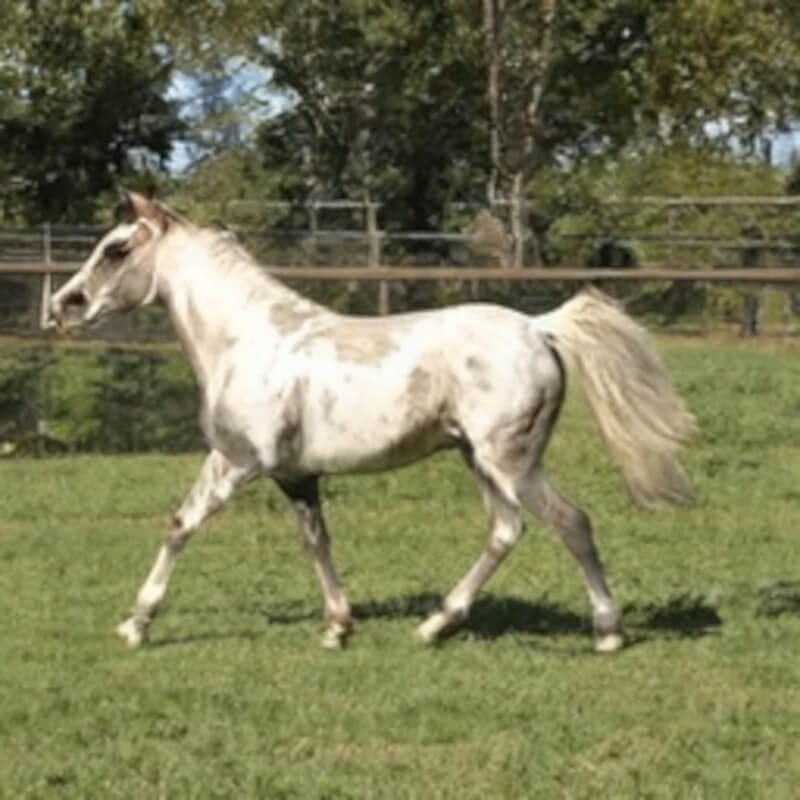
142 206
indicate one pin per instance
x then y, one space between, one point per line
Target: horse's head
120 273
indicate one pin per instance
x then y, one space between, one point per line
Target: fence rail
360 251
744 275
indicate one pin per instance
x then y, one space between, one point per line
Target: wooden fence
50 253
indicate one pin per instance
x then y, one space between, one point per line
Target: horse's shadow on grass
200 638
493 617
682 616
779 598
490 617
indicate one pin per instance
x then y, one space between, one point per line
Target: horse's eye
117 250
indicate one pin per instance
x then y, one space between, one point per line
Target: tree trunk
540 63
492 23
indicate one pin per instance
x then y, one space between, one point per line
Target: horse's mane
232 260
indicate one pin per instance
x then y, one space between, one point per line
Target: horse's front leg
217 480
304 496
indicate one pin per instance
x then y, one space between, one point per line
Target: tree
394 100
363 98
384 102
82 93
514 105
720 74
573 81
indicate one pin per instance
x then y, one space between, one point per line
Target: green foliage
211 190
732 82
147 400
579 201
360 98
599 203
389 99
384 104
21 375
82 93
107 400
234 697
69 401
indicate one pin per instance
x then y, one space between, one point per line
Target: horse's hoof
130 633
609 643
335 636
330 641
429 631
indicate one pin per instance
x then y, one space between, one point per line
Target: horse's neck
213 309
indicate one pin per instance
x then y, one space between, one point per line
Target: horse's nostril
74 299
67 310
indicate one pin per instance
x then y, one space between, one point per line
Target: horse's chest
251 426
228 431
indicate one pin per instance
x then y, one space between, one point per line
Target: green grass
234 698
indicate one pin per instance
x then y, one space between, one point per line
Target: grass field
234 698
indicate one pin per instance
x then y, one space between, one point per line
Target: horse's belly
357 450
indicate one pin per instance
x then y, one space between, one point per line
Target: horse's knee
504 536
178 534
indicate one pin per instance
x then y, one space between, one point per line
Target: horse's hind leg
505 529
217 480
575 529
304 496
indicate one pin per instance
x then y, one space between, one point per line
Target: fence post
374 257
517 228
672 226
313 224
46 287
42 404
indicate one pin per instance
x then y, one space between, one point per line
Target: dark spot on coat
419 387
226 435
289 438
328 403
474 364
289 443
362 346
480 372
288 316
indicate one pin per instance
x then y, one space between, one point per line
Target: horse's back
384 391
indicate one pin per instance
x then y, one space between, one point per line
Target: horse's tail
639 413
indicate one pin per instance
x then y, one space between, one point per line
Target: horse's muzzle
67 311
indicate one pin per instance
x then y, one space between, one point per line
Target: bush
104 400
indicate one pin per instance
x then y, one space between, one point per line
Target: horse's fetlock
608 621
340 617
456 610
177 537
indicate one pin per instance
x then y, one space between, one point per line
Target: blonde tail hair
640 415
